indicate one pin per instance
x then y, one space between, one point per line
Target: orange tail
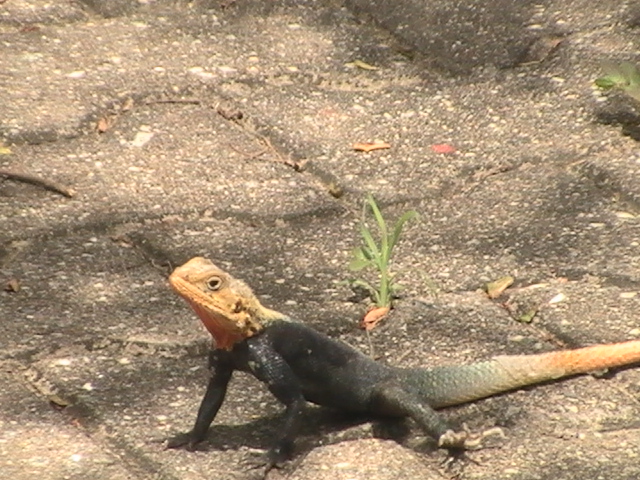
597 357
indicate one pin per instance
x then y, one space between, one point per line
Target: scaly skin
299 364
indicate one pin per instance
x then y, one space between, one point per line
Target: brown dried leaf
13 285
541 49
373 317
127 104
58 402
361 64
495 289
369 147
230 112
105 123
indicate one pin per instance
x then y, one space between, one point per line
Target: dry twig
38 182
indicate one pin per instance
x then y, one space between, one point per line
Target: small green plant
377 254
623 76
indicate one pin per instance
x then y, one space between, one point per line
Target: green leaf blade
371 244
397 229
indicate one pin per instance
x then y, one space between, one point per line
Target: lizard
299 364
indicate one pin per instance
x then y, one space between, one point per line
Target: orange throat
225 335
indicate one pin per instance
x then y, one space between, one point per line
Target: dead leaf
230 112
127 104
57 402
13 285
4 150
335 190
561 297
541 49
527 317
122 241
443 148
373 317
29 28
105 123
495 289
369 147
361 64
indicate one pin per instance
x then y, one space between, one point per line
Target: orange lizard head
227 307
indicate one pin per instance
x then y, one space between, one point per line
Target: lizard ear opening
214 283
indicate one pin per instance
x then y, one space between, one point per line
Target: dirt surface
225 129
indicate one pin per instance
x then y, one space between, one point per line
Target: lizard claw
451 439
465 440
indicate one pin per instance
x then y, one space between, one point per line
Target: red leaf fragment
443 148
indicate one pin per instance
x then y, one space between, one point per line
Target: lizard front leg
269 367
221 370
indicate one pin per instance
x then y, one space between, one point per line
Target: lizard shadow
321 426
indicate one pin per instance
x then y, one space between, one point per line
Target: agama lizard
299 364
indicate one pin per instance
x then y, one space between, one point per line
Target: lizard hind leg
391 399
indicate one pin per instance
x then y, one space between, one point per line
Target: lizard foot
183 440
261 462
465 440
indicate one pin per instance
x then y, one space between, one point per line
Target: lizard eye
214 283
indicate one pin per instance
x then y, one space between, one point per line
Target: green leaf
624 76
362 253
630 73
366 285
377 214
397 229
618 73
370 243
605 83
528 316
357 264
376 298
